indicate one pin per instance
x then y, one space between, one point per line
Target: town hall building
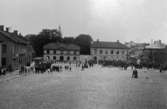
61 52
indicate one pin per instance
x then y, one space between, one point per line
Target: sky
106 20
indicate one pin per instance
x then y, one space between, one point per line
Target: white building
109 51
156 45
61 52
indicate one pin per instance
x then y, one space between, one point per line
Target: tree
43 38
84 41
68 40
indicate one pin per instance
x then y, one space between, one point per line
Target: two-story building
16 50
109 51
61 52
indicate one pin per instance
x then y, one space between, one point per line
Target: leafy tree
43 38
68 40
84 41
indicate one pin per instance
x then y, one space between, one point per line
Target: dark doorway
61 58
3 61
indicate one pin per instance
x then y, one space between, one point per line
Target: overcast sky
107 20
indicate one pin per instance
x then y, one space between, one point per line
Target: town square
83 54
94 88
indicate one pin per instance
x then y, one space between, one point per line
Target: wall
108 55
58 54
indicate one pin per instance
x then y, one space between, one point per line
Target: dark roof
15 38
61 46
113 45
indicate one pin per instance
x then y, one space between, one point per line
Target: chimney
1 27
7 29
15 32
117 41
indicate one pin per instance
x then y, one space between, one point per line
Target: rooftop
103 44
14 37
61 46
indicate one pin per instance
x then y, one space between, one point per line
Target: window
101 51
68 58
75 58
117 52
54 51
4 48
111 52
123 52
54 57
106 52
47 51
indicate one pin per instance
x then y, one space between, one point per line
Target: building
0 53
52 33
61 52
109 51
135 51
16 50
155 54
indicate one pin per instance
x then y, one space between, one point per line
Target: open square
94 88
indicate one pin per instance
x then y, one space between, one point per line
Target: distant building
52 33
15 49
61 52
155 53
135 51
109 51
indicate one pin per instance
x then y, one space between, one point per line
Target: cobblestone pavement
94 88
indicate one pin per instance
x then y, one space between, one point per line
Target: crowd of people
57 66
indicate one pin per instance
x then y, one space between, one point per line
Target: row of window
60 52
62 58
14 49
107 52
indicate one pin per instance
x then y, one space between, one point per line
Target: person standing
135 73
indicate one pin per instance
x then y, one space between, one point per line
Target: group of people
43 66
3 71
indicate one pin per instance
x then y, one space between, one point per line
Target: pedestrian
135 73
160 69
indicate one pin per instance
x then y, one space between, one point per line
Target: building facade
16 50
109 51
155 54
61 52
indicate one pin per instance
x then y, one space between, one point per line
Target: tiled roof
14 38
113 45
61 46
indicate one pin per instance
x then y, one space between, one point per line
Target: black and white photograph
83 54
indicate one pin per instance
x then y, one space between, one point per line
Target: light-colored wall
64 53
95 52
